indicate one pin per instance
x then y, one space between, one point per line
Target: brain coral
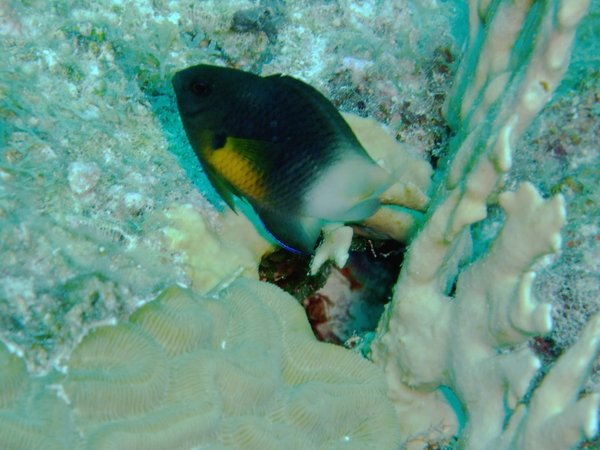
241 370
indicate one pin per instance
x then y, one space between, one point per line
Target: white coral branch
496 309
499 284
430 336
556 419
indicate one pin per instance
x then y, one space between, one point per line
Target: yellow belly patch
238 170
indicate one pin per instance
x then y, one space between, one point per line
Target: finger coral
460 323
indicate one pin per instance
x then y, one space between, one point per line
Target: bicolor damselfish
281 145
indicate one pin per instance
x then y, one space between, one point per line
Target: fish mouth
190 107
178 83
176 80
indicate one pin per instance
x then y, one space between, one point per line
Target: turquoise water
92 149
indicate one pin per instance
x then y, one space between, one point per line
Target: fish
282 146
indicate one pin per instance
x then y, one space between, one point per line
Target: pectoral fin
223 187
237 167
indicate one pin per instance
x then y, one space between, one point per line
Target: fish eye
201 88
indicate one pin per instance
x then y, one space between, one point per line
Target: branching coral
461 326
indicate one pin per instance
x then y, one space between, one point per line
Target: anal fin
297 233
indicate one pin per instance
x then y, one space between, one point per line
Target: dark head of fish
204 94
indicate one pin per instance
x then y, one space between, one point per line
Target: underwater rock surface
101 198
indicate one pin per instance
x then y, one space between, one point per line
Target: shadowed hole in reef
340 304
